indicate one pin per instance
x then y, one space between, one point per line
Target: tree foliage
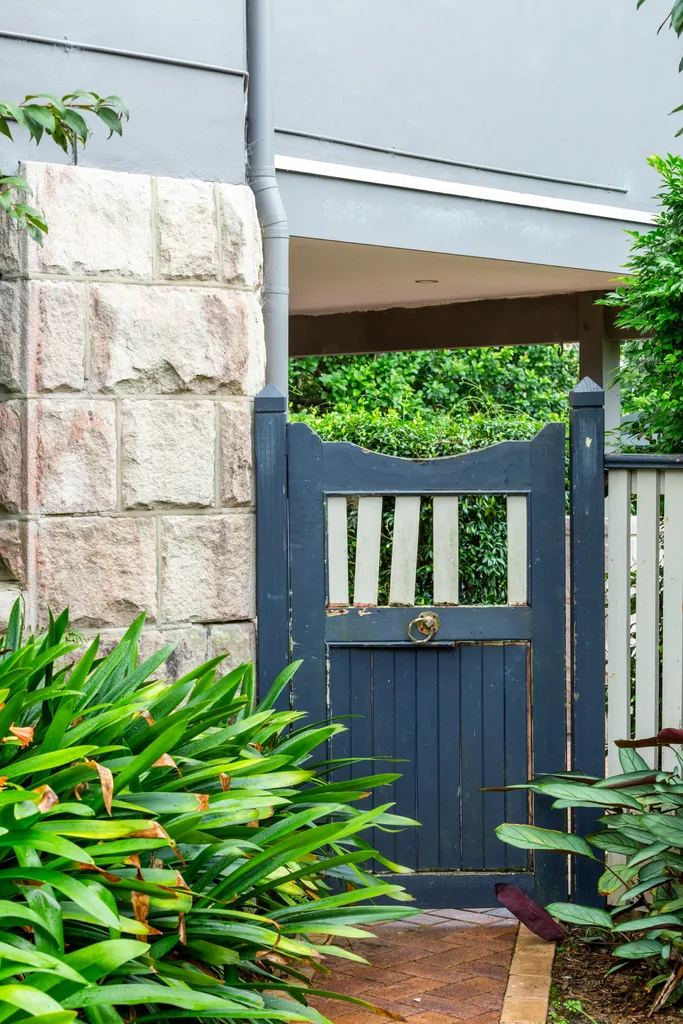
532 380
63 121
650 299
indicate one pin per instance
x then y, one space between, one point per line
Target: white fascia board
390 179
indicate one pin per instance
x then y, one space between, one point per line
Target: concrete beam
548 319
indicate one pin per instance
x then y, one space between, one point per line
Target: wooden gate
463 696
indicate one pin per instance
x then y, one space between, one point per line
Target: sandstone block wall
131 347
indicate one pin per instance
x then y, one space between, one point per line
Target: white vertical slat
517 549
404 550
366 584
337 551
619 617
446 573
672 613
647 608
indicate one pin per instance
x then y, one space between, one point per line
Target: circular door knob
427 623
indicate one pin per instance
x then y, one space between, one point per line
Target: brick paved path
441 967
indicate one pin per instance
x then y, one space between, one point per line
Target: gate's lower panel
456 719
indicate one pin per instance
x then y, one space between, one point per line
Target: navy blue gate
464 696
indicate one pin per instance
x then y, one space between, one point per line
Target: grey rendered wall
546 88
184 122
576 90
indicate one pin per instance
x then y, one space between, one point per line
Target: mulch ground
579 973
442 967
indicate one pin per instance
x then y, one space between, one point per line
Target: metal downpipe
263 182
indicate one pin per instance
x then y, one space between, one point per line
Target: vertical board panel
448 747
406 700
619 613
445 554
337 551
366 583
516 743
383 739
404 550
493 760
672 619
427 766
518 558
647 609
471 757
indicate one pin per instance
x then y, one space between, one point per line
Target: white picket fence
644 607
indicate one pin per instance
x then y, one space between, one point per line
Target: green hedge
483 534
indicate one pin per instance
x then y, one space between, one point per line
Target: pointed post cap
587 393
270 399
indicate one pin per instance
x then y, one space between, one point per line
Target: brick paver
441 967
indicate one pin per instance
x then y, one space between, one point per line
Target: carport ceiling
334 277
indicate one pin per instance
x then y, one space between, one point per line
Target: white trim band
370 176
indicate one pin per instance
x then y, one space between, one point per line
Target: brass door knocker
426 623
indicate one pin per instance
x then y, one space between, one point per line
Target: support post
587 545
599 356
272 537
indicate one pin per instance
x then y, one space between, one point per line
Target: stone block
100 222
56 335
42 335
236 639
8 596
162 340
207 568
187 239
13 552
191 648
242 254
13 303
237 476
13 455
73 455
168 453
103 568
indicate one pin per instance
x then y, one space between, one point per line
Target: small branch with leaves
64 122
673 20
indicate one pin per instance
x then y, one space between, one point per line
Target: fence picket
619 616
366 583
672 619
404 550
518 566
446 531
337 551
647 608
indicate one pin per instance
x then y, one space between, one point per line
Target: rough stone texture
164 340
13 551
73 442
131 345
100 223
102 567
13 455
13 301
8 596
191 648
241 237
237 476
237 639
168 453
56 335
208 568
186 230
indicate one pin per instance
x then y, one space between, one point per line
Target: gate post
587 545
272 537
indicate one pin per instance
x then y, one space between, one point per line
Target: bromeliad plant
164 851
643 823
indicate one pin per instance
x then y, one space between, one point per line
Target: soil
579 974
